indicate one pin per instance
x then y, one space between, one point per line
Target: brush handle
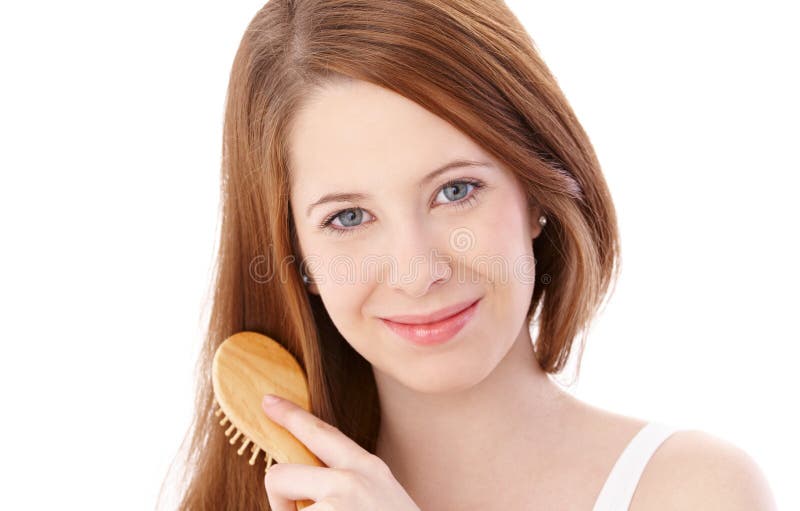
302 504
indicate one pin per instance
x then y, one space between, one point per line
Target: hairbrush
246 366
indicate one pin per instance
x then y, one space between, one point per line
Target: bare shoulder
696 470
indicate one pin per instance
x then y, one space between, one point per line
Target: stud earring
306 279
542 220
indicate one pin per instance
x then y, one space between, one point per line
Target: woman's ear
536 227
312 288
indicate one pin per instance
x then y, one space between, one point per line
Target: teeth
246 441
256 450
241 449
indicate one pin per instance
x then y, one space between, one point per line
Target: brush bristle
246 441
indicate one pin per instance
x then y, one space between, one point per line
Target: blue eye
349 217
454 191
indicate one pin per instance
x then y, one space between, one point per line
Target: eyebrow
355 196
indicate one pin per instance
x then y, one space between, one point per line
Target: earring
306 279
542 220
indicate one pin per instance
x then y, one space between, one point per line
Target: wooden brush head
246 366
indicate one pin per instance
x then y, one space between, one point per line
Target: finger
324 505
327 442
286 483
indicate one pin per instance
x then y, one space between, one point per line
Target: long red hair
469 62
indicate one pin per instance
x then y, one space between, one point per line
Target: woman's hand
353 480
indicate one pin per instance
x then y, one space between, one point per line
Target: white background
110 125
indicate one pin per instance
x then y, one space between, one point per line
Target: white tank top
621 482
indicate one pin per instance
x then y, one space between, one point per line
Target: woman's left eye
454 193
456 190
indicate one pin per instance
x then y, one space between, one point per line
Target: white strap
617 492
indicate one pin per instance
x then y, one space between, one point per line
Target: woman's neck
434 442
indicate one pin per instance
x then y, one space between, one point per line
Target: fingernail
270 399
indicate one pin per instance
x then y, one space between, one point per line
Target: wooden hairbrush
246 366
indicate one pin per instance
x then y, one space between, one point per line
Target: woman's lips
433 317
435 332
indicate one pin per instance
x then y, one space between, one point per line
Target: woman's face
409 243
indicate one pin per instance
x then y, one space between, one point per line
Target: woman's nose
419 260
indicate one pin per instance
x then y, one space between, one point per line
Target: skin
445 407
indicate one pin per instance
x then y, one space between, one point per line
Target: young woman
417 164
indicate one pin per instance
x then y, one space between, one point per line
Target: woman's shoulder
682 468
694 469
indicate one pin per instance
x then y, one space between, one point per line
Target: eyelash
465 202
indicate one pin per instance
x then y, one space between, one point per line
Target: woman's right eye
349 220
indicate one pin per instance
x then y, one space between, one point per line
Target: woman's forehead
362 133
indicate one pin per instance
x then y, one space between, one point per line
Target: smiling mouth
432 318
436 332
